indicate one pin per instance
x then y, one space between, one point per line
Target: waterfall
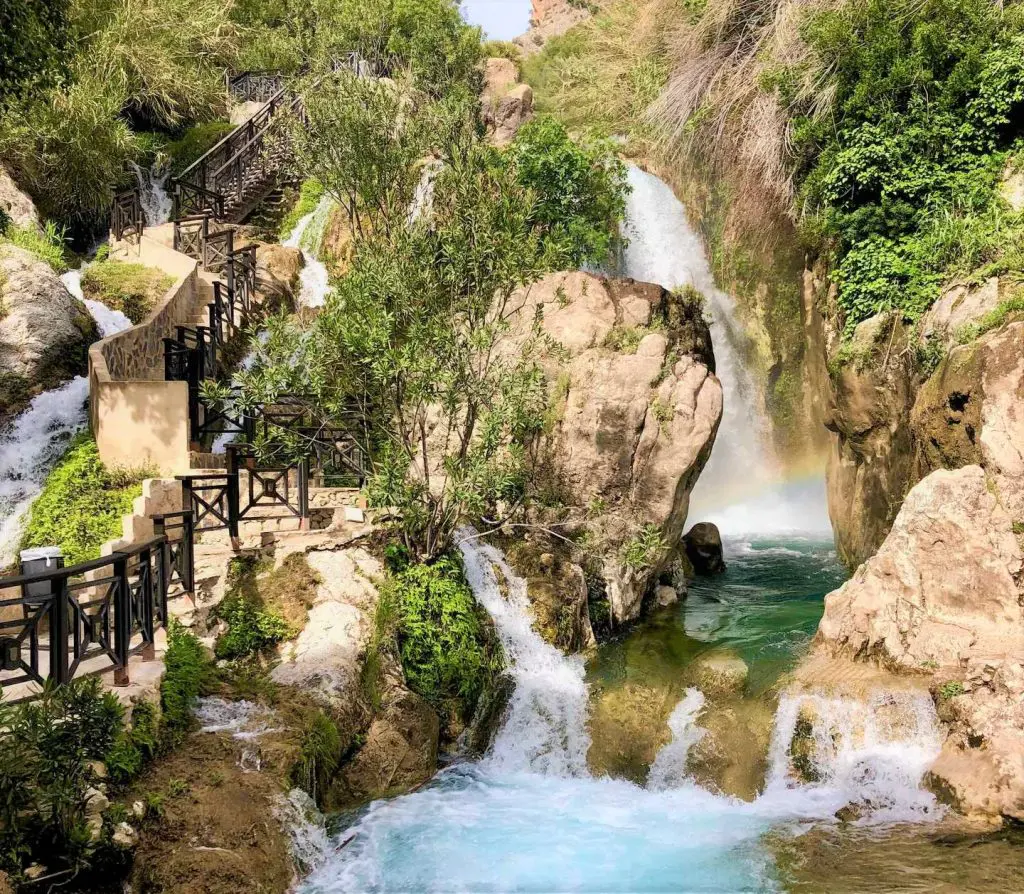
156 203
665 249
871 751
31 445
669 767
307 236
546 727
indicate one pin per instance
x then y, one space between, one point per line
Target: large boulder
506 103
277 273
635 406
703 544
15 205
45 332
943 585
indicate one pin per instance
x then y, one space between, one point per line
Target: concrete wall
159 497
139 419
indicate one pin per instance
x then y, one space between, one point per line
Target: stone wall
139 419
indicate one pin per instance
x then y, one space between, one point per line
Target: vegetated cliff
635 406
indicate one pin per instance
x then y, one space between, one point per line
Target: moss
448 650
310 194
254 626
133 289
319 757
81 504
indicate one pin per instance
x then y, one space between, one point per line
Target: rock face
635 407
507 104
945 595
45 333
941 587
893 425
704 548
871 464
277 273
550 18
16 205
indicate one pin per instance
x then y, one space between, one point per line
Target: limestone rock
125 836
732 755
1012 186
720 673
507 104
635 407
400 752
277 273
871 462
628 727
326 658
704 548
971 410
45 333
17 205
665 595
959 306
942 585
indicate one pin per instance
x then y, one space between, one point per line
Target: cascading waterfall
530 817
36 438
665 249
307 236
156 203
545 731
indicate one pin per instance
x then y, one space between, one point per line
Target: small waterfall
665 249
307 236
307 837
245 720
871 751
669 767
545 731
31 445
156 203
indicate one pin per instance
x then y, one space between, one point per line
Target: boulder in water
45 332
277 273
703 544
720 673
731 756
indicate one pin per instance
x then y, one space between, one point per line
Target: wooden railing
126 217
92 617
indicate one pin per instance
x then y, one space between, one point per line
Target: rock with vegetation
16 205
971 411
506 103
703 544
871 464
45 332
132 289
634 409
277 273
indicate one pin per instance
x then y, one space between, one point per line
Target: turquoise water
530 818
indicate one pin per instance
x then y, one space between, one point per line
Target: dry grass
714 107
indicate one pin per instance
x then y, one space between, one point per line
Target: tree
33 35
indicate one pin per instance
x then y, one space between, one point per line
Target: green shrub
252 627
46 750
134 745
319 758
903 178
188 674
580 188
47 245
951 690
992 320
446 650
133 289
641 551
194 143
81 504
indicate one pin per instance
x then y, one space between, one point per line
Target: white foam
314 282
546 727
669 767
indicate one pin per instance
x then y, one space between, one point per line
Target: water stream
307 236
